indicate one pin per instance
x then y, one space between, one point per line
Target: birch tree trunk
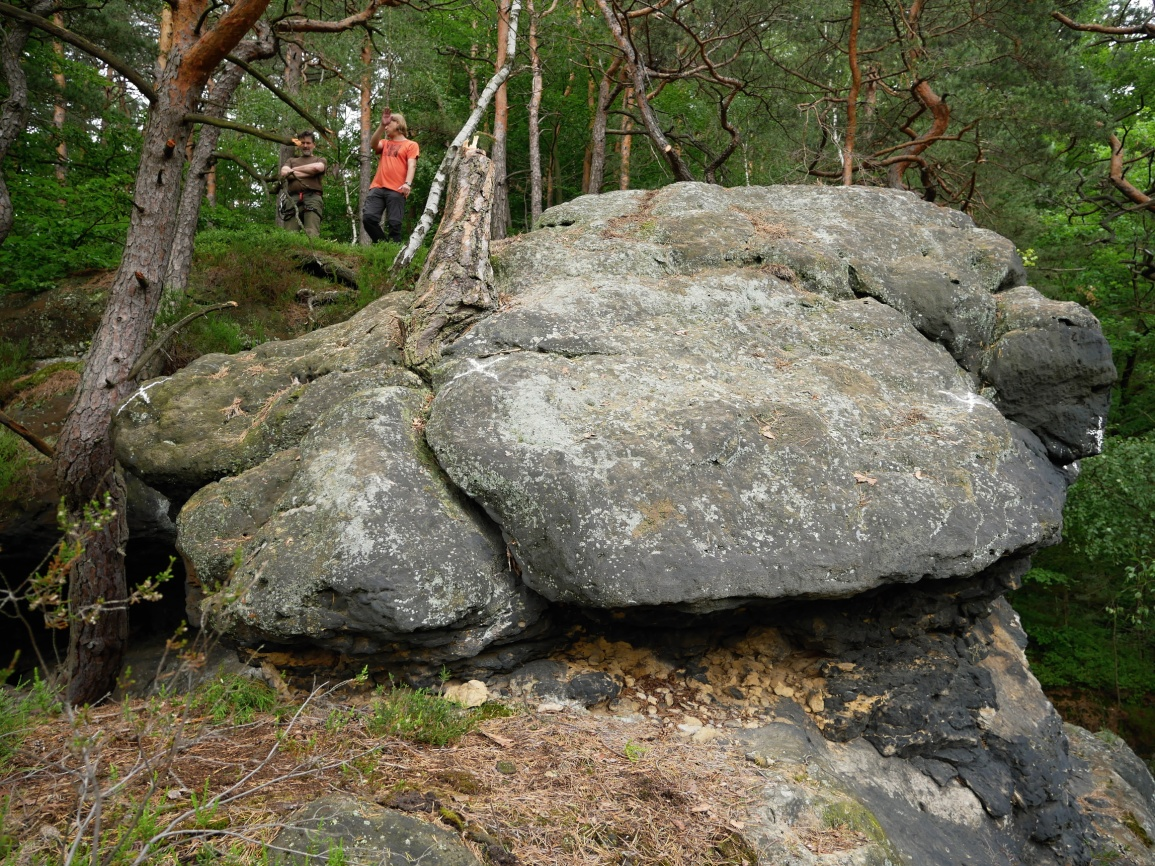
433 203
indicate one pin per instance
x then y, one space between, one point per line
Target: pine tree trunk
14 109
294 72
58 110
500 224
607 92
85 464
365 152
626 144
200 166
534 120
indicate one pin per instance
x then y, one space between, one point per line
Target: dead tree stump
456 286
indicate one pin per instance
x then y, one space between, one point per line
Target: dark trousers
383 201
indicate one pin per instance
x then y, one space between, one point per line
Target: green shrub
421 716
234 697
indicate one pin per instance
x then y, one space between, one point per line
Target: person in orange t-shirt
394 178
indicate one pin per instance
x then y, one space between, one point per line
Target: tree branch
237 127
246 167
26 434
146 356
307 25
1146 30
281 95
75 39
1115 175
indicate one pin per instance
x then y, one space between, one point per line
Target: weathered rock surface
782 407
694 397
687 403
364 833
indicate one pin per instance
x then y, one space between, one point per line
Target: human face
306 146
392 129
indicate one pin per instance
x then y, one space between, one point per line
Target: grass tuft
421 716
235 697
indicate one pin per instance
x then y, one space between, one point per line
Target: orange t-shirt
395 156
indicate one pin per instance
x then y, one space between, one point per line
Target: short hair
307 134
402 126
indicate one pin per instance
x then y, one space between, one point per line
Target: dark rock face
936 676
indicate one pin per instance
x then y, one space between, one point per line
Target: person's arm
379 133
410 170
309 169
306 170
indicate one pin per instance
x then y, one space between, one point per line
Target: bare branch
281 95
238 127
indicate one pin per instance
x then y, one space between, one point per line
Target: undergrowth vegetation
425 717
213 775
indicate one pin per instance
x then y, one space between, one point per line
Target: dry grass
553 788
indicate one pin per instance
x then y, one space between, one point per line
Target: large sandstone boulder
694 397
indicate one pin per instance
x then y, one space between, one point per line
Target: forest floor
214 775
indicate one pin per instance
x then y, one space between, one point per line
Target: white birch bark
433 203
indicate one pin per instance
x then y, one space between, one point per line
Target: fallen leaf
768 433
700 809
918 474
680 333
865 479
737 825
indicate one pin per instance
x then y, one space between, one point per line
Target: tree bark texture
201 163
638 74
534 119
433 203
501 128
608 89
85 464
293 75
852 95
365 155
456 287
58 110
626 143
14 109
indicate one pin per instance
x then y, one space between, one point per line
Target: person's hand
406 188
285 170
386 117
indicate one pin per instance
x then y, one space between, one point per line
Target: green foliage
19 707
1110 514
231 697
422 716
